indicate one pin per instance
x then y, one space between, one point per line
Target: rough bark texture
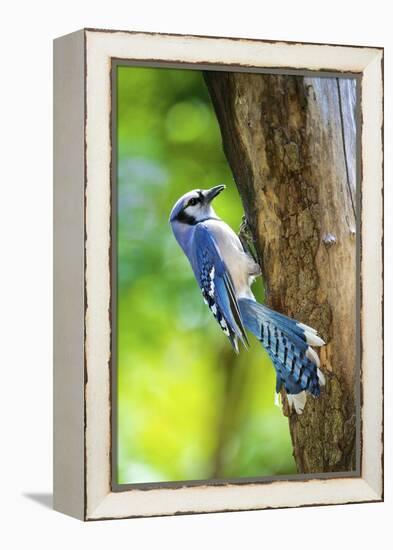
290 142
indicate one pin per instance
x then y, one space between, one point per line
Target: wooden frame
82 239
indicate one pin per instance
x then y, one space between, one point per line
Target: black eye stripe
193 201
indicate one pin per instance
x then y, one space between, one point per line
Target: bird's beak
210 194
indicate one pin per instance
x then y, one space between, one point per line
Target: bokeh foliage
188 407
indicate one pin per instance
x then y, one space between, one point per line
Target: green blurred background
189 408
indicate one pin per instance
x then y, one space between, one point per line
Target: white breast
240 265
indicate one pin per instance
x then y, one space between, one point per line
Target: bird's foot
247 239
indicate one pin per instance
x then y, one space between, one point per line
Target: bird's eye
192 202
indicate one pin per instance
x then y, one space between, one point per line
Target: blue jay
225 272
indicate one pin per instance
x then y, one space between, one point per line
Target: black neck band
183 217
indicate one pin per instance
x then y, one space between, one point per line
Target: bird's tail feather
288 345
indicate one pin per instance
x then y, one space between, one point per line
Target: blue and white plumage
225 273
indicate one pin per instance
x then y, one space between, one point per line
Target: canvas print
236 347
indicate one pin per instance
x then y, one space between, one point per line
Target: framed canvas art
218 274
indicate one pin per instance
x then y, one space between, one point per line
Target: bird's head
195 206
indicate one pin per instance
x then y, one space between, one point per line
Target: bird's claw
247 239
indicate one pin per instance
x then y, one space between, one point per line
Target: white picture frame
82 336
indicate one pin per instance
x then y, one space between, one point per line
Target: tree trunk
290 142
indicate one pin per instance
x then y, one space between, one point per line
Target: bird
225 271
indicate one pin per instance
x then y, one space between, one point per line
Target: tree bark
290 142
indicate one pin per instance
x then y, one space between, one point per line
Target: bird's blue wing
216 285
